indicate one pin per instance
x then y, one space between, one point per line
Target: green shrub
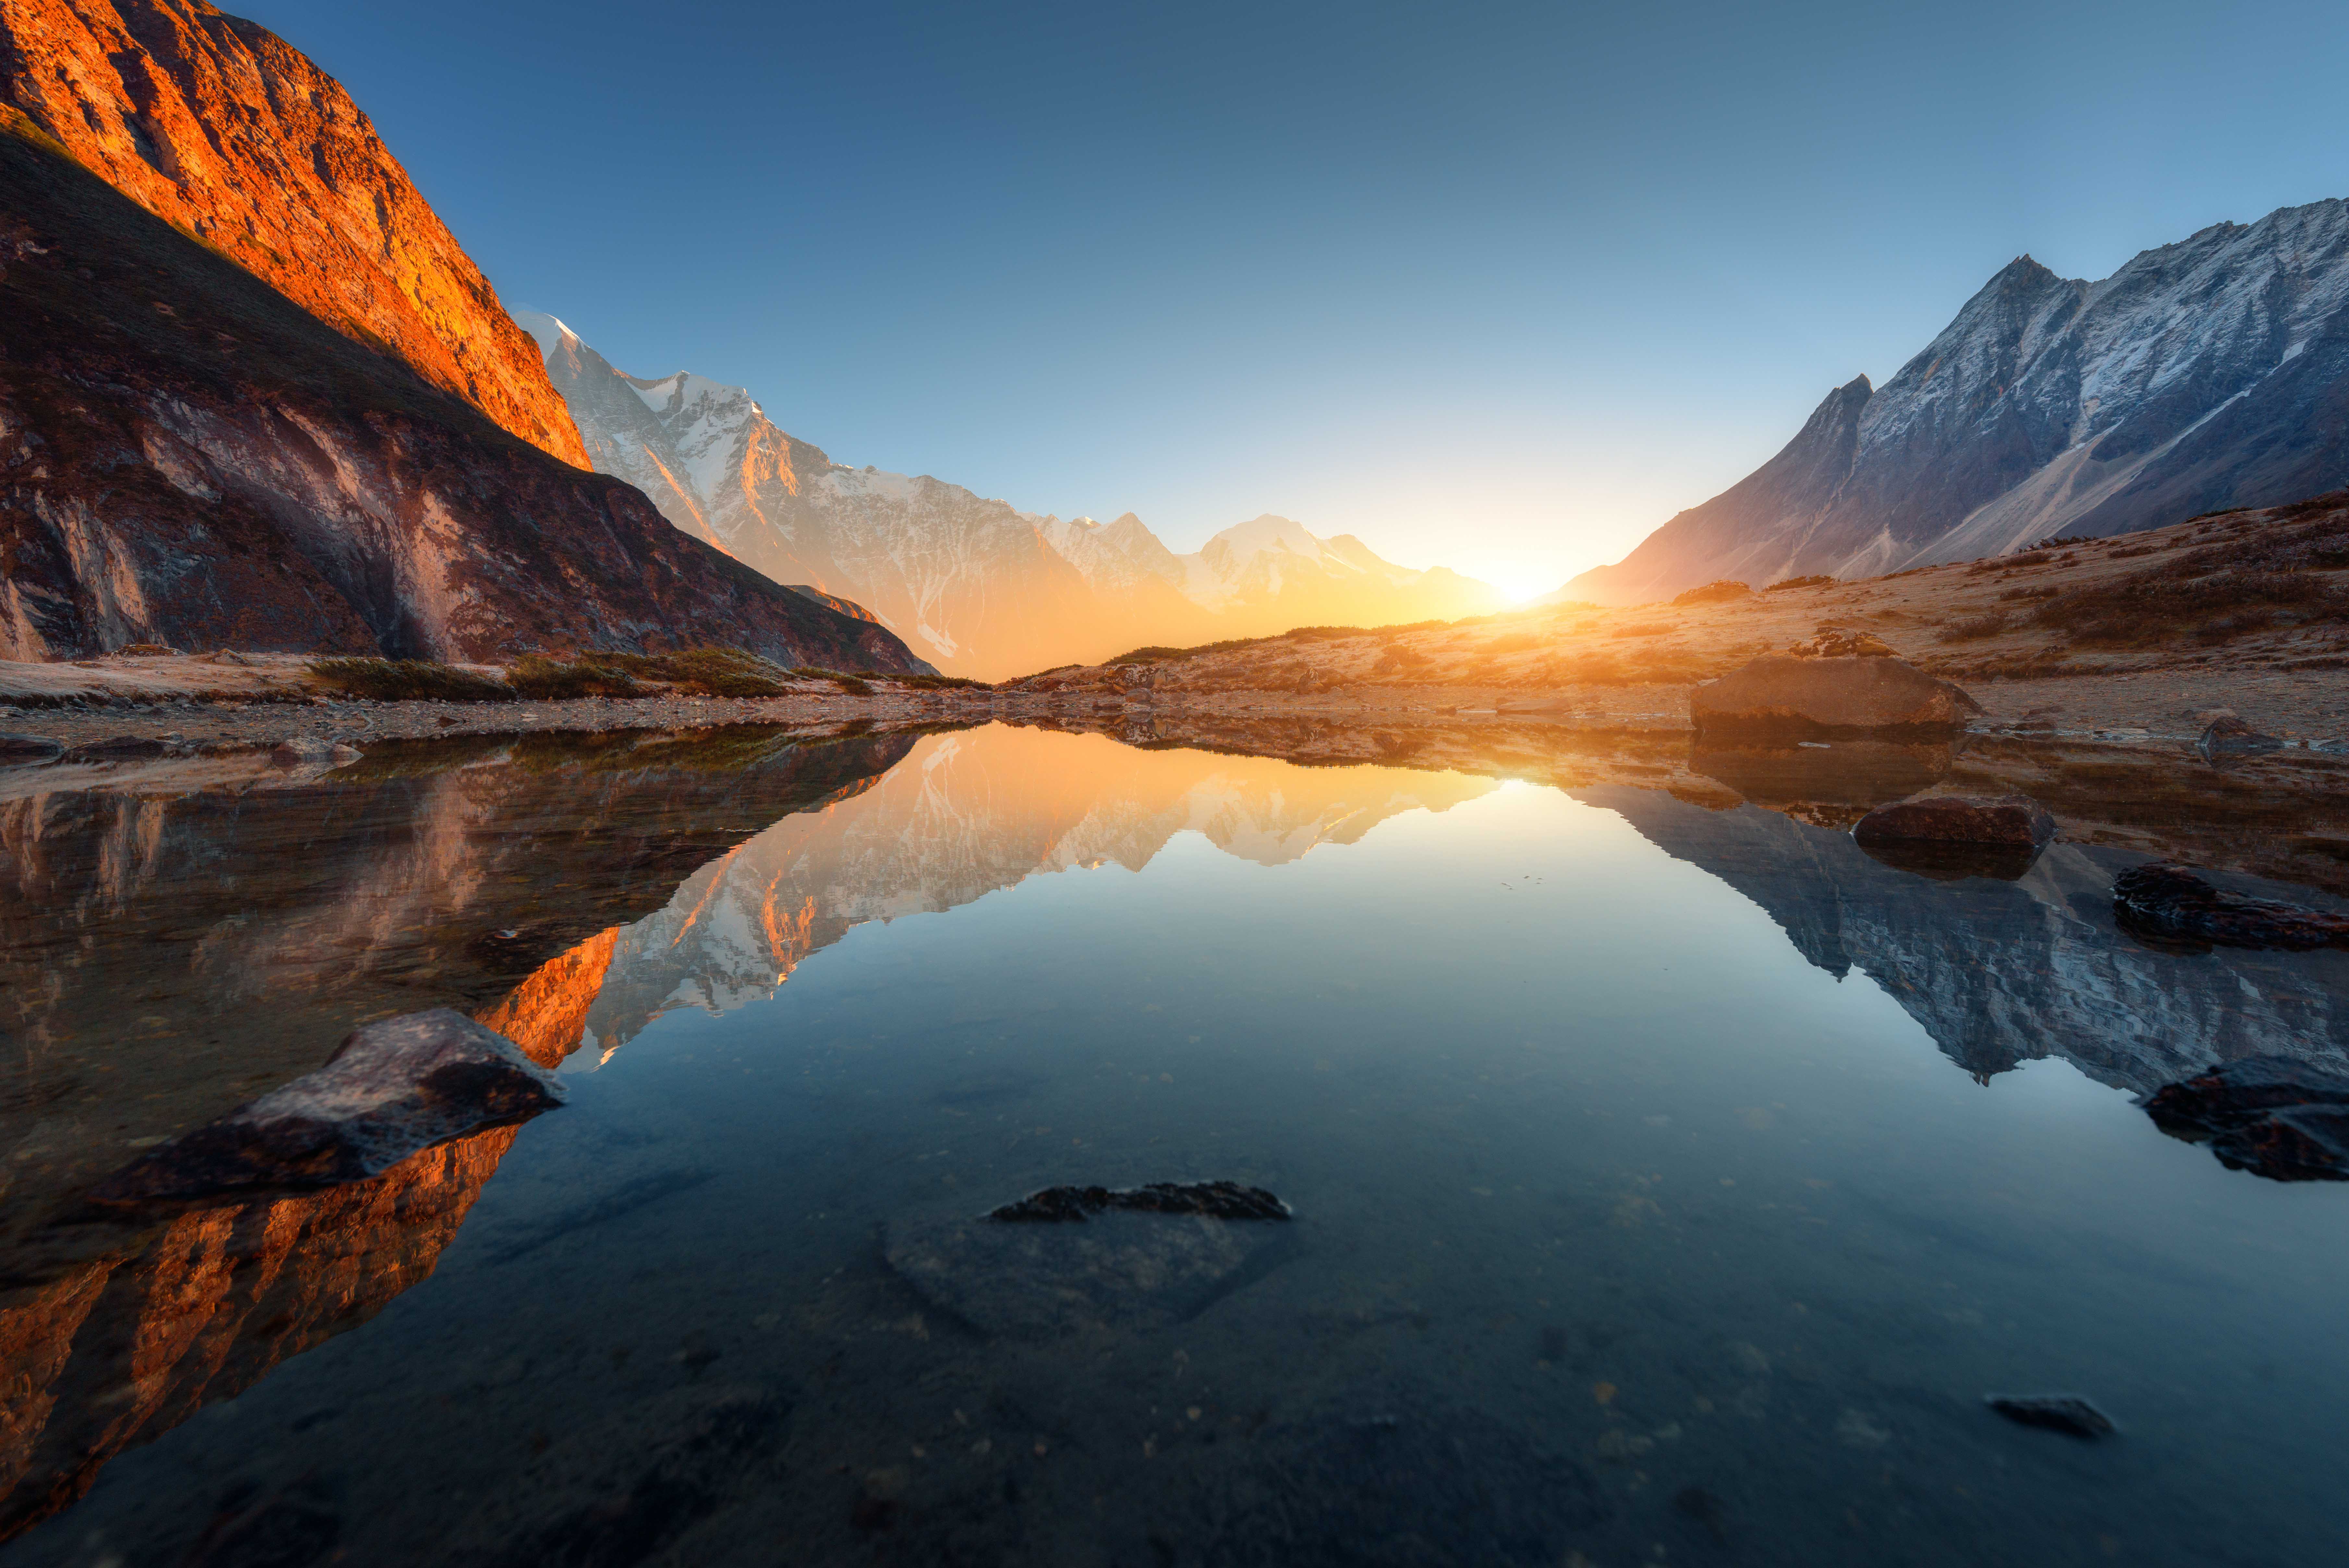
408 679
1816 580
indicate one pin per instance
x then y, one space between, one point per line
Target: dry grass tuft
1713 593
408 679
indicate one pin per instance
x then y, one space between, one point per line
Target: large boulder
391 1089
1790 693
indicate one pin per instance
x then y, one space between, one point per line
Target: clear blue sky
1500 287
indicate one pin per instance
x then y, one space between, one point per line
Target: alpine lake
1660 1179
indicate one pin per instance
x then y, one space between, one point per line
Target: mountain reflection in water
230 935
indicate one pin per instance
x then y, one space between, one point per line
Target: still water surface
1670 1185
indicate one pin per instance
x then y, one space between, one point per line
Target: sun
1520 586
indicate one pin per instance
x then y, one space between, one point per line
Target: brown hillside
221 129
191 459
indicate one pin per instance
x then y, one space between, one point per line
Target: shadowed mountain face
220 129
189 458
2209 374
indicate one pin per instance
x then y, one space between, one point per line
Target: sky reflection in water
1623 1228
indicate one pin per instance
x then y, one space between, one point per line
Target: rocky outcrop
2209 374
225 131
188 458
1828 696
392 1088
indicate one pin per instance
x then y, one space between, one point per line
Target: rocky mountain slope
975 586
226 132
188 457
2209 374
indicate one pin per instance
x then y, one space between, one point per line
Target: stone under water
1071 1260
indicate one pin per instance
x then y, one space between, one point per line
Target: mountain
2209 374
189 456
976 586
1999 972
226 132
1271 566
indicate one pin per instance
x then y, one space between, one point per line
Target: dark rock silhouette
390 1090
1216 1200
2282 1118
2067 1413
2171 902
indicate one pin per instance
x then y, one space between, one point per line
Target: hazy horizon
1500 291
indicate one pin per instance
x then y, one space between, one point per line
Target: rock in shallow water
1781 692
2067 1413
1949 837
29 749
1216 1200
2170 901
1104 1265
2276 1116
2228 736
390 1090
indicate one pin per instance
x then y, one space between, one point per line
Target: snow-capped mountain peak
2201 375
974 585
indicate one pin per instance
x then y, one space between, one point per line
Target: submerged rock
2013 821
391 1089
1216 1200
1829 694
2275 1116
1949 837
29 749
2171 902
1073 1260
2067 1413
